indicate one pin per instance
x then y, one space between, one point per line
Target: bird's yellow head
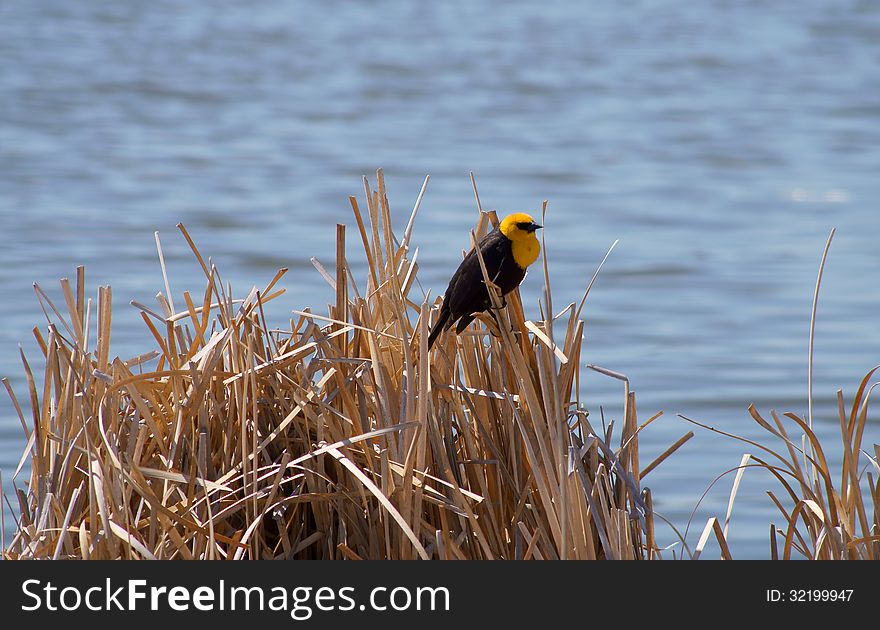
520 228
519 225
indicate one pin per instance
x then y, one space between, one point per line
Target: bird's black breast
466 292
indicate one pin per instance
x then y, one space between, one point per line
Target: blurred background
720 141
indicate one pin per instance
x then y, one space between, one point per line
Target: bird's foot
501 306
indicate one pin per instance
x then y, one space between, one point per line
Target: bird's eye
523 225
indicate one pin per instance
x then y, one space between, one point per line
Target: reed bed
826 515
821 520
340 437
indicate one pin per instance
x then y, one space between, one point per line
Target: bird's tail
440 325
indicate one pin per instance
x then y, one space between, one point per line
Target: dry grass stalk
339 438
824 521
826 515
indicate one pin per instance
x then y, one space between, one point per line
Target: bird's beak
535 226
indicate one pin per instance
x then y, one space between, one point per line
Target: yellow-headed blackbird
507 251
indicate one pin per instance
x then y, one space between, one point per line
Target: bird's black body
467 293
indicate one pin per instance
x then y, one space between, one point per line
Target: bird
507 252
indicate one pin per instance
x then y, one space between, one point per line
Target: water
719 141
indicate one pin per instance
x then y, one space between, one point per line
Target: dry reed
342 437
823 518
822 521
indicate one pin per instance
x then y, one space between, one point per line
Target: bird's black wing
466 292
